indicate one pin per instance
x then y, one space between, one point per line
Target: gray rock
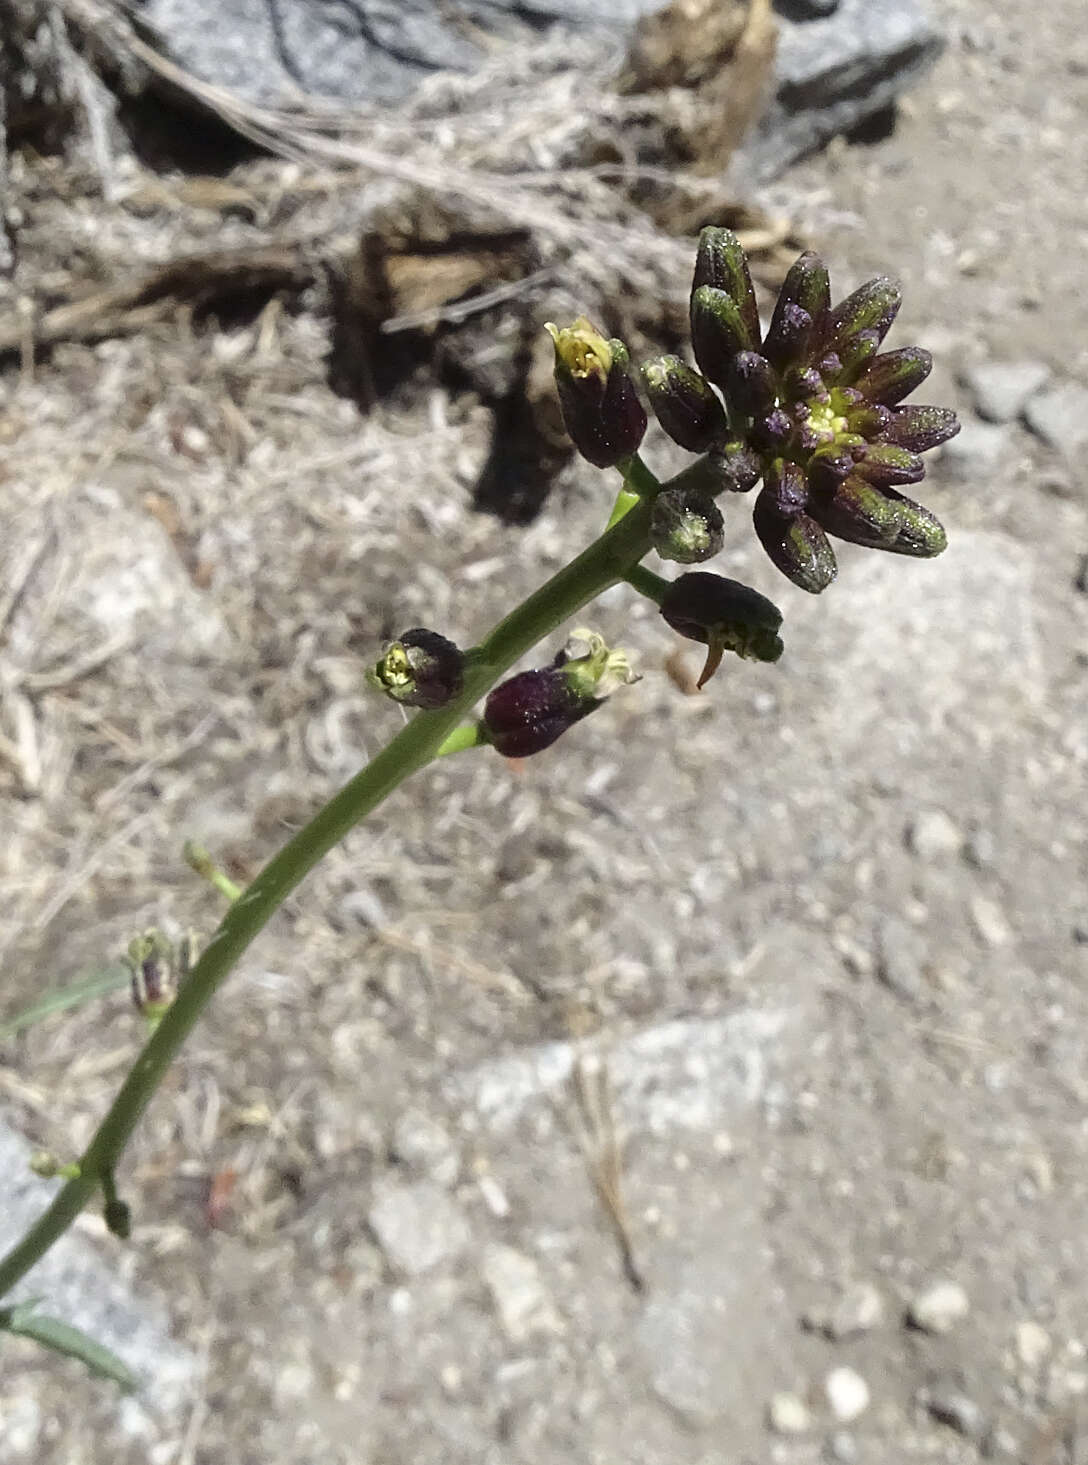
422 1145
901 955
947 1401
1059 416
418 1226
688 1333
837 64
1000 389
978 448
689 1075
834 73
77 1284
807 9
519 1295
370 51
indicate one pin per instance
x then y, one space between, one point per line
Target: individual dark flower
686 526
601 410
794 541
420 669
685 404
529 711
722 615
158 966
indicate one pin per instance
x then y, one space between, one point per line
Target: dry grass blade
192 280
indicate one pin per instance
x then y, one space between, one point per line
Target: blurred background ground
797 966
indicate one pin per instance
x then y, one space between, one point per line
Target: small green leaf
62 998
25 1322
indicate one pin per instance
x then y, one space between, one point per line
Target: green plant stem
647 583
603 564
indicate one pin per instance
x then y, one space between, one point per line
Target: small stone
847 1394
939 1308
1000 389
901 956
520 1299
933 836
980 849
1033 1344
1060 416
423 1147
1002 1444
978 448
789 1414
989 921
947 1402
857 1310
20 1426
418 1226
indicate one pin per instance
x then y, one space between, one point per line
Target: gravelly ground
813 945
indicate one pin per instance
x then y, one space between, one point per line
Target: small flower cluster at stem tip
810 411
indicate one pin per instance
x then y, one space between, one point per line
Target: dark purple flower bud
921 534
885 465
773 431
808 288
873 307
829 367
791 337
894 375
721 262
792 539
805 384
420 669
685 403
686 525
157 968
920 428
601 410
752 388
786 484
718 332
858 513
829 465
736 467
529 711
869 422
723 615
855 354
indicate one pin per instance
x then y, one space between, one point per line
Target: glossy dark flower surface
812 407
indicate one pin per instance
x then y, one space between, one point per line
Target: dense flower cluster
811 407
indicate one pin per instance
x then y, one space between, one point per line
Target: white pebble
847 1394
789 1414
933 835
940 1307
1032 1344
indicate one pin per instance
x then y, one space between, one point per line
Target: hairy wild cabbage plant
808 417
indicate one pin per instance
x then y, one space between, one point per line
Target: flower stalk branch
603 564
